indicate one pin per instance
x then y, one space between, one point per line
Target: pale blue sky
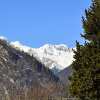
37 22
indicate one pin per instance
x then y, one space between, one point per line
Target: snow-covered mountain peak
57 50
51 46
54 46
53 56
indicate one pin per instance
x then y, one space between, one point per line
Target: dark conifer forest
85 81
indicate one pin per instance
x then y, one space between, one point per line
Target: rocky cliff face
21 72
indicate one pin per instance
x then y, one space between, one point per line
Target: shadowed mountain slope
65 74
21 72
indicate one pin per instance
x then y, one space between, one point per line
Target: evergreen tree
85 81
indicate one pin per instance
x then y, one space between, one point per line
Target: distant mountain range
56 57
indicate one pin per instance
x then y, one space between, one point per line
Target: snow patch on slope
18 45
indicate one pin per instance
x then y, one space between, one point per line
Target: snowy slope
53 56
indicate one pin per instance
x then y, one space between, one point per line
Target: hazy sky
37 22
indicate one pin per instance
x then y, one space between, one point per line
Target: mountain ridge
53 56
19 70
